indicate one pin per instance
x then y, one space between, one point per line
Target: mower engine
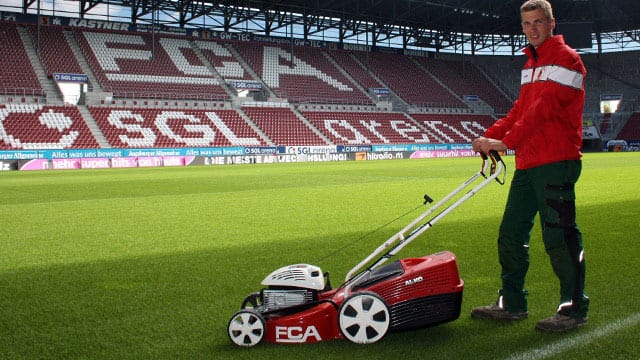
285 298
291 286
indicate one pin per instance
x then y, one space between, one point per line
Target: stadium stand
304 76
183 77
407 80
223 60
144 127
504 70
455 128
137 65
33 126
631 130
357 71
365 128
54 50
611 74
17 76
464 78
283 126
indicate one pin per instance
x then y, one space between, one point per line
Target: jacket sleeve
502 127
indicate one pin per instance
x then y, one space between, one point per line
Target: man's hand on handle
485 145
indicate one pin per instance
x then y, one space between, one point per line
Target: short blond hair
531 5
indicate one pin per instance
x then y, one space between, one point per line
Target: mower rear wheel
246 328
252 301
364 318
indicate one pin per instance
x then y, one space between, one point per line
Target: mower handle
492 154
495 158
415 228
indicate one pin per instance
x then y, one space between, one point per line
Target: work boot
495 312
560 323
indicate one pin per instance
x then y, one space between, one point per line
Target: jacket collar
543 49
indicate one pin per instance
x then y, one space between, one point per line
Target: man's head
537 21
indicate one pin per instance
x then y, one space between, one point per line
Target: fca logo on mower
296 334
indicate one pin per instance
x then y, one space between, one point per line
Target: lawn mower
299 305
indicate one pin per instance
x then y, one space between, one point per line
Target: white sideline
564 344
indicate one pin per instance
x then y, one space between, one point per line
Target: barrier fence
128 158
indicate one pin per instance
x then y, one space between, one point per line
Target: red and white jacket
545 123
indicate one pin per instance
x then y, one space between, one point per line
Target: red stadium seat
282 126
55 50
17 75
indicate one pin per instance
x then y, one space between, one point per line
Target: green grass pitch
152 263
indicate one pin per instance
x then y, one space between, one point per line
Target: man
544 127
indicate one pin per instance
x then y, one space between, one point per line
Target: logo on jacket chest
540 74
534 75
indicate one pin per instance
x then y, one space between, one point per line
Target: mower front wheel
364 318
246 328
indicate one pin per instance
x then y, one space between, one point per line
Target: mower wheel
246 328
364 318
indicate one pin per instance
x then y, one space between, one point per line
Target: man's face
537 27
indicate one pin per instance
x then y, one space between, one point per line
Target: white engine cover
300 275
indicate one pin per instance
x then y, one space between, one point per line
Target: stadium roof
435 24
467 16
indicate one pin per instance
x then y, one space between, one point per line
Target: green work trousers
547 190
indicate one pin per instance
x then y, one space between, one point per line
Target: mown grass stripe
574 341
